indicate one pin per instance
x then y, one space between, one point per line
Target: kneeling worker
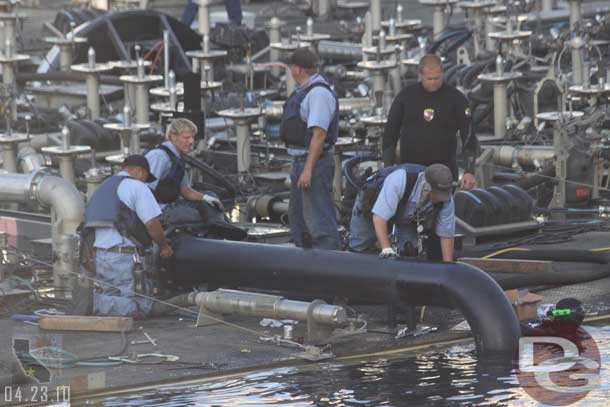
123 213
418 201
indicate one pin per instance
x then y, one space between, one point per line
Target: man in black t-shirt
425 117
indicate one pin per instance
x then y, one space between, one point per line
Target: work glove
388 253
213 201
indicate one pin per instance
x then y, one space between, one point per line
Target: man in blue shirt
123 212
167 165
310 125
429 205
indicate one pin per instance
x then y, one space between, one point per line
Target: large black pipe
323 273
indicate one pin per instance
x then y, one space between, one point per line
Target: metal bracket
316 333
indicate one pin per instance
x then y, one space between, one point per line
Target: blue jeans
362 237
117 296
312 210
233 8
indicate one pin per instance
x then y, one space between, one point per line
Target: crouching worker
123 212
417 201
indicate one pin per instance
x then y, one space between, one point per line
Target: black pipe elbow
325 273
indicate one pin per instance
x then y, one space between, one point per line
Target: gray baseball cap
440 178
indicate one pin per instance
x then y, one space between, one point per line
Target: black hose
205 168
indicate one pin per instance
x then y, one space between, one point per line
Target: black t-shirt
426 124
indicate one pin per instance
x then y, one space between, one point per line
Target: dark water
452 377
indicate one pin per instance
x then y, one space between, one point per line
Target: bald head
430 72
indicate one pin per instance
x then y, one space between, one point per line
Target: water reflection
454 377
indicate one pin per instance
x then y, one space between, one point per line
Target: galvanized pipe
66 167
67 209
65 57
8 79
93 96
267 306
500 109
576 45
438 20
274 37
575 13
204 17
242 132
9 157
375 15
522 155
142 105
275 109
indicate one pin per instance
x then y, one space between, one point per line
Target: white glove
213 201
388 253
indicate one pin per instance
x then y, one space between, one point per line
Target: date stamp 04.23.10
35 394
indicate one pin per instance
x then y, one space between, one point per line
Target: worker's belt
303 157
118 249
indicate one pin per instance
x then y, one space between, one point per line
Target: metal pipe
375 15
204 17
66 167
340 50
547 5
322 273
242 131
267 306
9 157
522 155
577 45
500 109
438 20
29 159
274 37
275 109
575 13
142 104
166 57
67 209
93 96
8 79
497 229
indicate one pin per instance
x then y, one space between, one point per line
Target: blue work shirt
160 164
392 193
317 109
139 198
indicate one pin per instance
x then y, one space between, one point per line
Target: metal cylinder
586 80
577 61
575 13
65 57
368 29
66 167
242 131
376 15
142 105
9 157
309 27
489 28
275 36
290 82
378 84
340 50
547 5
269 306
134 142
93 96
166 60
91 58
522 155
65 138
438 20
500 109
94 178
207 71
324 7
65 268
204 17
8 79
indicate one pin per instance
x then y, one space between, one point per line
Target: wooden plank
79 323
509 265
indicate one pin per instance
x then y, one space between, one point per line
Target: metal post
8 79
500 109
66 167
438 20
547 5
166 61
65 57
575 13
275 36
204 17
242 130
490 45
376 15
368 29
9 157
577 60
142 103
93 96
378 83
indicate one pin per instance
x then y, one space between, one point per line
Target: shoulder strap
167 150
409 186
